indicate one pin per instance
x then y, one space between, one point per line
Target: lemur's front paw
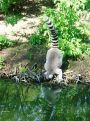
48 77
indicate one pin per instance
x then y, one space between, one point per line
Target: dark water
41 103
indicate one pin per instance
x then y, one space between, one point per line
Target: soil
79 67
23 54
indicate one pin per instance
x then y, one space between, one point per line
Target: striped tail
53 32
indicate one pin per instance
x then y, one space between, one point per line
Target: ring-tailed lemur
54 55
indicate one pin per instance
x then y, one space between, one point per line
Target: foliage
6 4
37 37
4 42
76 4
13 18
65 16
87 5
1 62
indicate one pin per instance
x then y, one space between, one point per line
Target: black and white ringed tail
52 29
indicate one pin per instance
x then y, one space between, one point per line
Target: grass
4 42
1 62
13 18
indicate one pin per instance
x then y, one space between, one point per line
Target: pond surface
42 103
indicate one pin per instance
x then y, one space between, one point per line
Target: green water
42 103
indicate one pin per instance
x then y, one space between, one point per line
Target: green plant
13 18
37 37
87 5
64 16
4 42
1 62
6 4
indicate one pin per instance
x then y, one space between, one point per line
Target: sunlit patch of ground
20 31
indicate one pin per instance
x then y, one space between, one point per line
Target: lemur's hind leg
58 71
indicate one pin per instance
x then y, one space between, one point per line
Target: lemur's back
53 60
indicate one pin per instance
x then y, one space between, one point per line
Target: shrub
64 17
38 37
1 62
6 4
4 42
13 18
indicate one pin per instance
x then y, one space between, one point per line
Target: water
42 103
